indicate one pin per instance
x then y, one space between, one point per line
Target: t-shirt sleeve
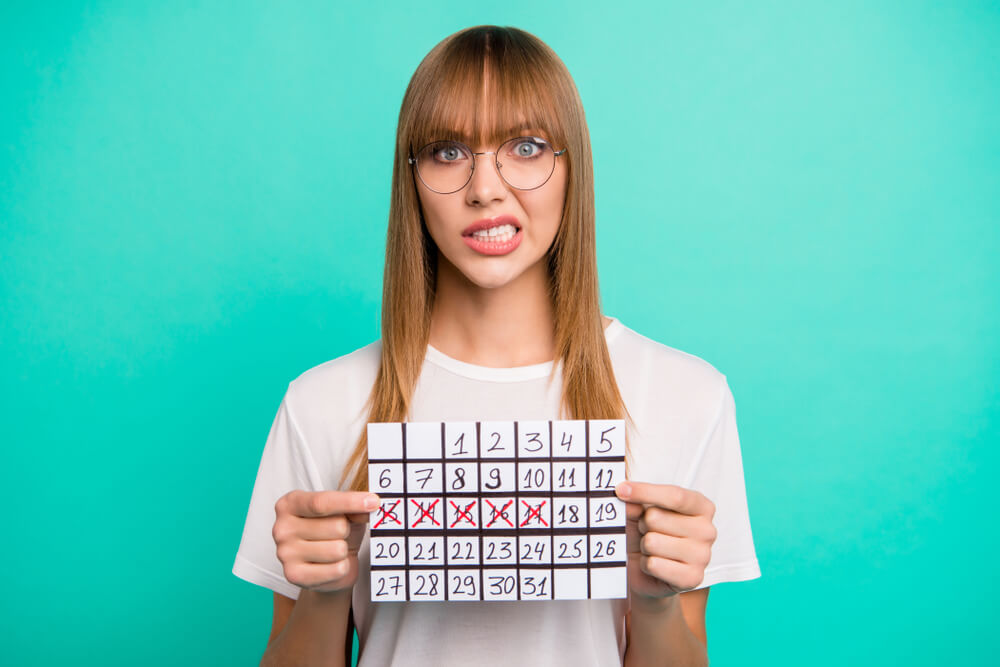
285 465
717 473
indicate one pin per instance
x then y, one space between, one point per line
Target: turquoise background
193 202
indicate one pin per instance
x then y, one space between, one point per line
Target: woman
491 311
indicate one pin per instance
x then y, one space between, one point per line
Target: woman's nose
486 184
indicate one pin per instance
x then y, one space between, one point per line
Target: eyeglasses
524 163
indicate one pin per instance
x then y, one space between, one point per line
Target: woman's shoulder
629 347
343 381
661 382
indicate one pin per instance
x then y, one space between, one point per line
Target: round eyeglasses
524 163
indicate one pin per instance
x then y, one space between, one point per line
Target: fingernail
624 490
371 502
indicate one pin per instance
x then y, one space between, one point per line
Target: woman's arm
317 535
670 533
300 630
667 631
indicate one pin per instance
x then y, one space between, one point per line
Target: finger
323 528
357 536
326 551
680 576
317 574
633 511
632 536
663 521
691 552
327 503
668 496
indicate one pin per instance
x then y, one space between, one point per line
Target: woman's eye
448 154
527 148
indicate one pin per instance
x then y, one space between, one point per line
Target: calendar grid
527 513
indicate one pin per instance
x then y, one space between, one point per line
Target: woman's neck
502 327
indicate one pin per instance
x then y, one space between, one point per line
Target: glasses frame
496 161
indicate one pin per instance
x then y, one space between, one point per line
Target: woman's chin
491 279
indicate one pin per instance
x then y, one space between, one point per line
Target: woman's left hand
670 535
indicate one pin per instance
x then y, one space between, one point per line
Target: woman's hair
524 84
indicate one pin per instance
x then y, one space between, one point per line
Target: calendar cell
533 477
533 440
496 440
424 513
460 440
497 477
424 477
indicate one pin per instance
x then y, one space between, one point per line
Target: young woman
491 311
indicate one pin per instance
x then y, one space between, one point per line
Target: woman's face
523 223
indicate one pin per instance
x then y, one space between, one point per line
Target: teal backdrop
193 203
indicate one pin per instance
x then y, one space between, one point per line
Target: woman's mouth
497 236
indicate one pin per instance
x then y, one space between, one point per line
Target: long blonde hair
529 86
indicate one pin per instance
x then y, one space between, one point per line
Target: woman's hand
670 536
318 534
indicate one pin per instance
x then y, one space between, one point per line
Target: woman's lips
494 236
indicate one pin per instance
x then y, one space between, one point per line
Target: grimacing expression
529 223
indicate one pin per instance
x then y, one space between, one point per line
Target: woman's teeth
498 234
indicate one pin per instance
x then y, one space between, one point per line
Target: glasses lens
526 162
444 166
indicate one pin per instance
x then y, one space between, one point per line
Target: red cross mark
463 514
388 514
535 512
499 513
425 512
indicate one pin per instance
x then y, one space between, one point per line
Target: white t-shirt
685 434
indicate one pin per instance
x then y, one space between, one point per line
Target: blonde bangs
482 90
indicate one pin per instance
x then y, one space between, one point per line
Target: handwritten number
502 585
573 514
531 588
533 437
538 548
609 549
505 551
496 442
391 552
422 582
430 552
567 440
604 439
423 480
460 444
606 512
538 476
469 582
382 587
456 551
459 481
577 551
600 479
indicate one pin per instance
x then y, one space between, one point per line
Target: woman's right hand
318 534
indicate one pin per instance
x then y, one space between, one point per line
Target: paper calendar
507 510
